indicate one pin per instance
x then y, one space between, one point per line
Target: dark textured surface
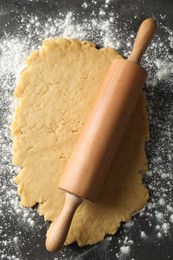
160 144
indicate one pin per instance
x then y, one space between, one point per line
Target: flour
165 227
125 250
104 32
171 218
162 201
143 234
84 5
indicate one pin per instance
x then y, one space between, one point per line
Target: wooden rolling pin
99 140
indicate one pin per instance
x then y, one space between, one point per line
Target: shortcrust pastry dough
55 93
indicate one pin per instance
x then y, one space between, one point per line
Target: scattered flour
85 5
125 250
165 227
171 218
130 223
14 48
143 234
157 227
162 201
16 240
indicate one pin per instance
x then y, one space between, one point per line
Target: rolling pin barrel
96 147
99 140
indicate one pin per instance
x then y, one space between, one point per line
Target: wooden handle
144 36
59 228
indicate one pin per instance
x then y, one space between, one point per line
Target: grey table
161 119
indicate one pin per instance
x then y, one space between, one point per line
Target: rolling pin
102 133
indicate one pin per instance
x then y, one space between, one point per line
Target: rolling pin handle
144 37
59 228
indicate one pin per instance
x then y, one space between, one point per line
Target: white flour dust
158 214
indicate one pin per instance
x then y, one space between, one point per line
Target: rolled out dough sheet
55 94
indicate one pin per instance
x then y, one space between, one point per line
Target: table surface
160 109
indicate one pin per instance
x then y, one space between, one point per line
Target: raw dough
55 94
